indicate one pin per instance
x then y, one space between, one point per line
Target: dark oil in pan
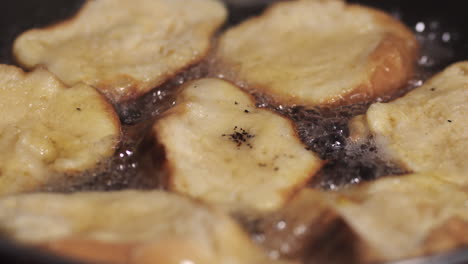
440 32
323 130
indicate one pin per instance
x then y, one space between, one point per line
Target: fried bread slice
425 130
307 227
48 129
221 148
131 227
124 48
319 52
391 218
406 216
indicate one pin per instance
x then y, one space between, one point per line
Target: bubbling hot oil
323 130
134 166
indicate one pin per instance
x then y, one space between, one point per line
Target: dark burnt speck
240 136
246 111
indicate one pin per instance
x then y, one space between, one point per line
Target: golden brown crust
139 88
450 235
389 219
424 130
405 216
89 250
49 129
117 73
287 193
213 132
105 102
395 57
131 227
387 69
165 252
395 66
169 166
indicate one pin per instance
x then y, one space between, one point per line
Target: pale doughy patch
128 227
48 129
124 48
316 52
222 149
426 130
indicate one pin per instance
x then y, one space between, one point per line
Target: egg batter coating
48 129
319 52
124 48
425 130
219 147
132 227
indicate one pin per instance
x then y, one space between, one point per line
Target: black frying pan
440 25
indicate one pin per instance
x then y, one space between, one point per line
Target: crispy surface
315 52
48 129
127 227
124 48
222 149
426 129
